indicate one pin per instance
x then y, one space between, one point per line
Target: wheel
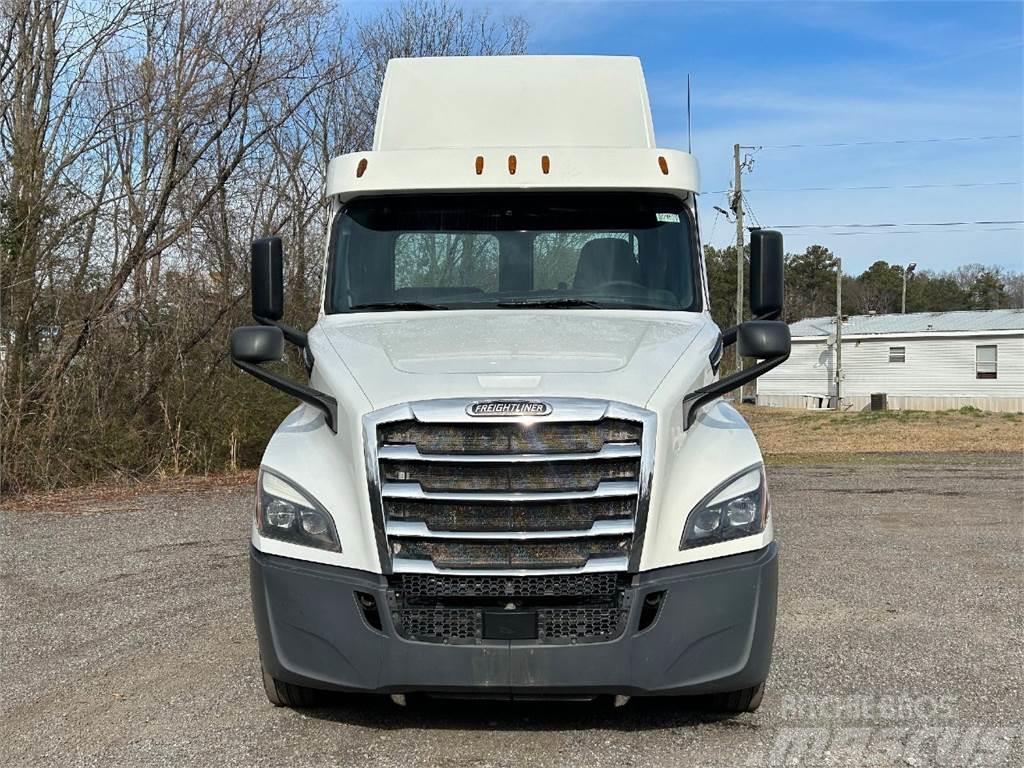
745 700
282 694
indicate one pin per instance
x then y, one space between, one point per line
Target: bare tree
144 144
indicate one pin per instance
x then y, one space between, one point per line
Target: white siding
938 373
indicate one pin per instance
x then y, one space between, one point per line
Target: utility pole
839 332
737 208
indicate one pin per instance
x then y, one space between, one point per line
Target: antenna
689 143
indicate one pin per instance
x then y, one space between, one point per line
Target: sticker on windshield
672 218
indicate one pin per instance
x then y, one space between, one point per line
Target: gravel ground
127 640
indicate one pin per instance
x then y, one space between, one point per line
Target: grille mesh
563 516
554 625
438 624
414 587
556 476
509 438
579 623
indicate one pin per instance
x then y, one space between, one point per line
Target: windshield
501 250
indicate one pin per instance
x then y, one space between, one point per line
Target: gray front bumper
714 632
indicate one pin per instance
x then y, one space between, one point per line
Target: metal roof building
923 361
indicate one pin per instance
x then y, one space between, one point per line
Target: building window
897 354
985 361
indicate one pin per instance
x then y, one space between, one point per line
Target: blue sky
810 73
766 74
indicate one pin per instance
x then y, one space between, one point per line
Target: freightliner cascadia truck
512 473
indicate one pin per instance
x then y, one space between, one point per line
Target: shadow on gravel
641 714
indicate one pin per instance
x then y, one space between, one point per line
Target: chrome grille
564 493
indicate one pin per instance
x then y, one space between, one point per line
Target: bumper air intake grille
418 587
578 608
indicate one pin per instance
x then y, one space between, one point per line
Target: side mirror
267 281
766 340
763 339
257 344
767 273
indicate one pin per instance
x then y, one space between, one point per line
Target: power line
913 231
746 204
876 187
943 140
905 224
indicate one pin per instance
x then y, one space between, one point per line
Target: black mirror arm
716 389
292 335
729 334
324 402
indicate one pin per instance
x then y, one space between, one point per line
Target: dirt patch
786 432
84 498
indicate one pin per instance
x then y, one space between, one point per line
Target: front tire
736 702
282 694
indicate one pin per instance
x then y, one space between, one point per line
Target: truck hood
400 357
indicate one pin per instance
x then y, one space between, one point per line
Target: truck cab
511 472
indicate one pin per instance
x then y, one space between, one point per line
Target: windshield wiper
554 303
397 305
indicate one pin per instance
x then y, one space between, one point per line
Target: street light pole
737 208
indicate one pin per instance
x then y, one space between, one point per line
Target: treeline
811 286
144 146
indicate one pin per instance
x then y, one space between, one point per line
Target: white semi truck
512 472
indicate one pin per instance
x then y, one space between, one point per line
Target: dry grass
789 432
75 498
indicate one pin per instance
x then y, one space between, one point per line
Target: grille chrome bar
594 565
606 489
412 453
599 528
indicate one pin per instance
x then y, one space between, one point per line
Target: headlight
286 513
738 507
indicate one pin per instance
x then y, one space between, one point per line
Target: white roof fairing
513 101
569 122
